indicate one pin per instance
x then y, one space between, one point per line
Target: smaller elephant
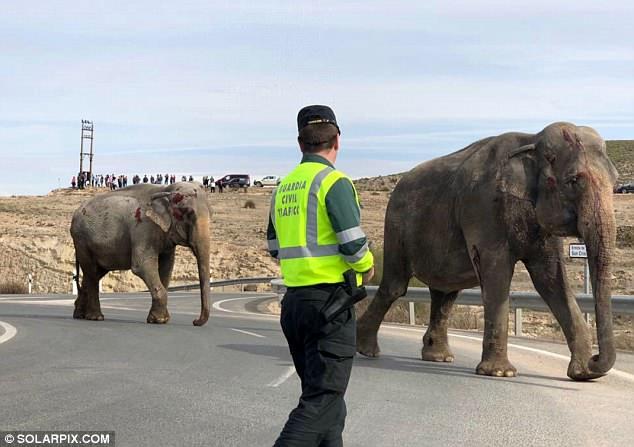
139 228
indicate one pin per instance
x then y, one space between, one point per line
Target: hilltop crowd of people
113 182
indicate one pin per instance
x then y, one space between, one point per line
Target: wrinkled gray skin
139 228
466 219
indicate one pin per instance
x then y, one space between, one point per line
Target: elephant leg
495 270
548 272
166 266
435 341
90 286
393 286
148 271
87 303
80 302
85 265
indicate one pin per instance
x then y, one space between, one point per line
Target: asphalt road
231 383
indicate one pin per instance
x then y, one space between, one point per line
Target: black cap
314 115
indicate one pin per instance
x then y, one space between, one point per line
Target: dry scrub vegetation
13 287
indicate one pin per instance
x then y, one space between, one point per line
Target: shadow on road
279 353
408 364
403 364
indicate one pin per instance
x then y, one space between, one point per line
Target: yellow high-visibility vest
307 244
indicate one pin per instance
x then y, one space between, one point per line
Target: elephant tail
76 275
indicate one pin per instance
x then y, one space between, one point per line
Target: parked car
628 188
269 180
234 181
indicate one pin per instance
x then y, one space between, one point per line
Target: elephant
138 228
465 219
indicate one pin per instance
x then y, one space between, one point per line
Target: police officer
314 230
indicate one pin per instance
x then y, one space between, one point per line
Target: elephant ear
159 211
518 173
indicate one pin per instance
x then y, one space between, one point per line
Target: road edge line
9 332
283 378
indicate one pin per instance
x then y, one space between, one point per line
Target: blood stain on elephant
177 214
137 215
178 197
574 143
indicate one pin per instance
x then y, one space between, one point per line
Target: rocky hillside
620 151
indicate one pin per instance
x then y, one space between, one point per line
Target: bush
249 204
625 236
13 287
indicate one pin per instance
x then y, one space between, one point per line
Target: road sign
578 251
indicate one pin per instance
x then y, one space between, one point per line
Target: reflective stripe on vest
312 248
349 235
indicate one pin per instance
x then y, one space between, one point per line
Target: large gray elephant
139 228
467 218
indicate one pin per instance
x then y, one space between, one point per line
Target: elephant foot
94 316
496 368
79 314
367 343
158 316
578 370
437 353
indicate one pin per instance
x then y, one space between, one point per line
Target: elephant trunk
200 247
597 226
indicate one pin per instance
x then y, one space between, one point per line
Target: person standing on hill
314 230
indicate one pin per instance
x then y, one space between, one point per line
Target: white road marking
615 372
283 378
107 306
218 306
253 334
41 302
9 332
44 298
291 369
70 302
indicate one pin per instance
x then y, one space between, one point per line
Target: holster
343 297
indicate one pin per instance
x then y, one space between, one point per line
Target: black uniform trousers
322 353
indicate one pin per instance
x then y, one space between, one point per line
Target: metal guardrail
621 304
226 282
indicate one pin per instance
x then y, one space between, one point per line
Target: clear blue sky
212 87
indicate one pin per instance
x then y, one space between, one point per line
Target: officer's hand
367 276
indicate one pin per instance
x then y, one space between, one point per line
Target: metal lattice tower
87 133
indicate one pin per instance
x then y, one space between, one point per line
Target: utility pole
87 131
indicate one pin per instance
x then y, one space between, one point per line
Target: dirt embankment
35 238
